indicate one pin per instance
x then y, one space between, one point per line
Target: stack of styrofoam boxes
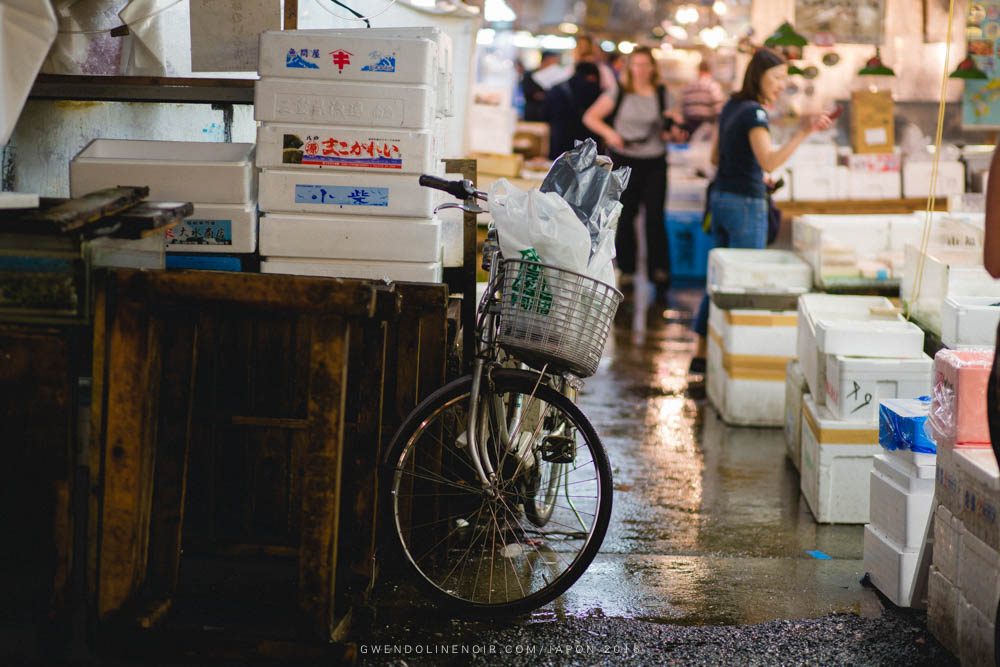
848 248
946 273
969 321
963 589
749 346
218 178
815 173
873 176
840 436
917 179
796 389
902 495
349 120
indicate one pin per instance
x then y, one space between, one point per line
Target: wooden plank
72 214
147 218
291 21
858 206
124 411
322 473
174 425
98 403
349 298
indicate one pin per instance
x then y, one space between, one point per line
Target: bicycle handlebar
461 189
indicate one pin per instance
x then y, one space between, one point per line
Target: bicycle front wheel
518 548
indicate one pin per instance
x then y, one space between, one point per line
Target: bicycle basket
553 316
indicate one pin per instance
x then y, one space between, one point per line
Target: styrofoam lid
166 151
756 257
846 336
921 364
973 301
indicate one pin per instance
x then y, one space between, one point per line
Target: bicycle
499 489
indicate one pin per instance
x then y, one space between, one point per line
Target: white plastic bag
538 226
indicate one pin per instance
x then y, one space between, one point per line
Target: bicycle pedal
558 449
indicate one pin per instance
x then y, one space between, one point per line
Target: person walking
534 91
567 102
702 99
635 125
743 152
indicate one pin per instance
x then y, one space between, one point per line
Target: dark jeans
647 186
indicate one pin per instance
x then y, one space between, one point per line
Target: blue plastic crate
204 262
689 247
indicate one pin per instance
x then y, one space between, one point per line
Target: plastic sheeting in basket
553 316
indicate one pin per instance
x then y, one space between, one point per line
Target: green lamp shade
875 67
967 70
785 35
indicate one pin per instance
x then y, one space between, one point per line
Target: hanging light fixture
967 69
785 35
875 67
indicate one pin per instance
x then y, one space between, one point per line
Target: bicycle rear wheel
521 548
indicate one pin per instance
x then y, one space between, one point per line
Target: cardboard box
872 124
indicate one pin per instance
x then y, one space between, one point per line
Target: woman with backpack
635 126
743 153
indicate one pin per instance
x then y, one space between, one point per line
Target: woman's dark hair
763 60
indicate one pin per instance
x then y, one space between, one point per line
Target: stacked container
752 331
855 351
218 178
350 118
964 581
902 495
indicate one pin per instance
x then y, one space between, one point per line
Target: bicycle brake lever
468 208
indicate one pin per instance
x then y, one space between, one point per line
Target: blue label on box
201 231
341 195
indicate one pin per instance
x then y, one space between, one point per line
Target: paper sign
224 33
875 136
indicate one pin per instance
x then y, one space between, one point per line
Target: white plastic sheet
28 30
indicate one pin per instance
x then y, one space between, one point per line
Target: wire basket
553 316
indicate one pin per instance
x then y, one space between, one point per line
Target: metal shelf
142 89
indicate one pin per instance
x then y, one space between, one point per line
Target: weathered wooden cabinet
237 415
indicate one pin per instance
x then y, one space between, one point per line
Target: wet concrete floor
708 528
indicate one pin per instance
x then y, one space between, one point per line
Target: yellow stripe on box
838 436
748 320
750 366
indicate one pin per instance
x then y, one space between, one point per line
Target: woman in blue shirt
743 152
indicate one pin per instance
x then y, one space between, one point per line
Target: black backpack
661 94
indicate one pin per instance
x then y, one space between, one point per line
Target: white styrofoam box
869 310
900 505
741 269
350 237
947 230
863 184
715 375
145 253
348 192
812 154
870 338
848 247
874 163
367 105
946 272
978 495
912 479
437 35
908 457
976 634
969 321
855 385
942 608
744 396
687 194
979 574
819 182
795 389
768 336
285 146
837 460
892 570
317 54
948 532
216 228
194 171
917 179
420 272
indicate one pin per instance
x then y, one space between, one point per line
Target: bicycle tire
442 520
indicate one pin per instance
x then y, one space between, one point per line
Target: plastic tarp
902 422
28 30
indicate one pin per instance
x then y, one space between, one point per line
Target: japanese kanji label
341 195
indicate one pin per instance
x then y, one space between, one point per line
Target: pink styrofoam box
958 399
